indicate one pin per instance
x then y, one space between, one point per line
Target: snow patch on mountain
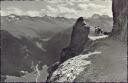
97 37
40 46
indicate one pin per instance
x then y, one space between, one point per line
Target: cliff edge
103 60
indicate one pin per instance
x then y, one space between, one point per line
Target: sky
54 8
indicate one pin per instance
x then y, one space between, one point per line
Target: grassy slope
110 66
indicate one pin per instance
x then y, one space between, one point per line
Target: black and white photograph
68 41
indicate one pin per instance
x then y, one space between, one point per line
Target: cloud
107 11
70 3
89 9
62 1
11 10
59 11
63 8
50 11
54 1
81 1
14 10
3 13
83 6
17 11
33 13
68 12
90 5
95 6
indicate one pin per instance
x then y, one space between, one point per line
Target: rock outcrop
70 69
120 13
106 67
110 66
79 38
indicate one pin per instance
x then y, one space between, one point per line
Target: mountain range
27 41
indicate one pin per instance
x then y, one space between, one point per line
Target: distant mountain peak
13 17
95 16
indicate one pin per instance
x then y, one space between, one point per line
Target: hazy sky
64 8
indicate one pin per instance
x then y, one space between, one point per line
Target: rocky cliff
79 38
70 69
62 39
120 13
108 63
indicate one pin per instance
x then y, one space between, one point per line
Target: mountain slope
33 26
107 63
62 39
110 65
18 54
32 40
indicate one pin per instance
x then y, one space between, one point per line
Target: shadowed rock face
120 12
17 54
79 38
110 66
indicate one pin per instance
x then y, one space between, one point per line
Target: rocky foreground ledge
71 68
71 62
